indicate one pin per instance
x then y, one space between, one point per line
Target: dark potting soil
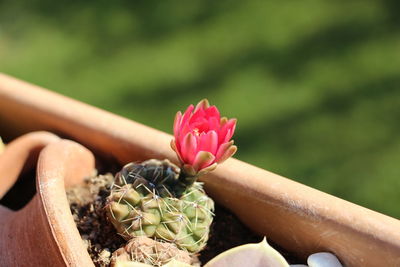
227 231
87 206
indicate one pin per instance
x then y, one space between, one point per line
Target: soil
227 231
87 206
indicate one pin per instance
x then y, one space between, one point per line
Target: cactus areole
163 201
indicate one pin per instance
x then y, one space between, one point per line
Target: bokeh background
315 85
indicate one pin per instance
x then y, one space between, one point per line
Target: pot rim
63 164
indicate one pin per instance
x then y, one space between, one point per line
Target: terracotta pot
301 219
20 156
43 233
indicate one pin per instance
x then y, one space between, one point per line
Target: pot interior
21 192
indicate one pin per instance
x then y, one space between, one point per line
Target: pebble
105 254
323 259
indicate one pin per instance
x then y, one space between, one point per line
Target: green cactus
145 201
148 251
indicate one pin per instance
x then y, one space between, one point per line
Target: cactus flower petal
228 153
203 159
177 122
222 150
186 116
189 148
203 104
202 137
209 142
227 131
208 169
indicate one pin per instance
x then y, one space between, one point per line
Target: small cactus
158 176
159 200
149 251
141 204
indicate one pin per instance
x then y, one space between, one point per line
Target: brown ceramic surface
299 218
43 233
21 155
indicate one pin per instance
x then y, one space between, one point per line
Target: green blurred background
315 85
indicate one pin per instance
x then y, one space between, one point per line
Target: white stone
298 265
323 259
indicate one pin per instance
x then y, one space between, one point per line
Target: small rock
323 259
105 254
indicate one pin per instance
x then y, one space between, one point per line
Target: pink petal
212 112
209 142
202 160
197 115
174 147
186 116
229 125
177 145
189 148
230 132
228 153
177 123
203 104
227 136
222 149
201 125
214 124
233 127
184 129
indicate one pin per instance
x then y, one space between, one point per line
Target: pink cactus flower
202 138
